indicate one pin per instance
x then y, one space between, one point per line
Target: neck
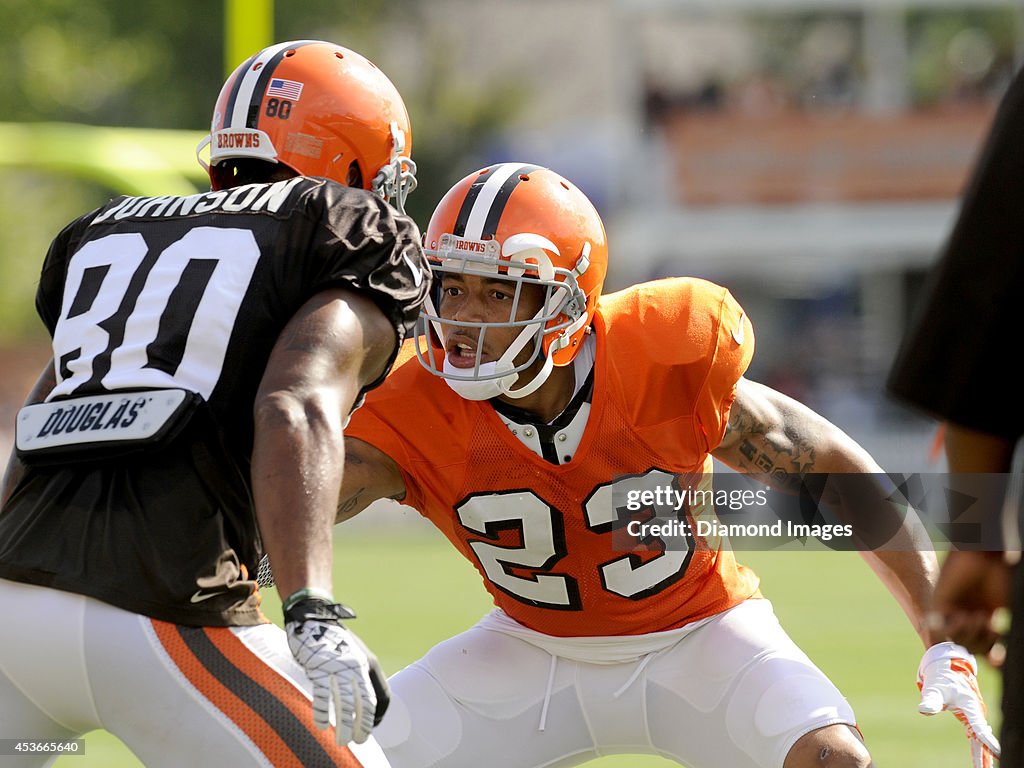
551 397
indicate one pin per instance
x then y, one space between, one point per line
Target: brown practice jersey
189 293
549 540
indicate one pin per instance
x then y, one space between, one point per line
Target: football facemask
522 260
529 226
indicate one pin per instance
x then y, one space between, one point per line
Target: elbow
311 415
840 453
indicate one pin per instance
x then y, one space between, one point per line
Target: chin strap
531 386
397 179
476 389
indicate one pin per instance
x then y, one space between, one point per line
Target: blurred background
808 154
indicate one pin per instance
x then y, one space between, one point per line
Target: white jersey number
541 530
132 320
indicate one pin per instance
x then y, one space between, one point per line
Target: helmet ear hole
355 175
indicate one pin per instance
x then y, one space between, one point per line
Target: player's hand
947 679
972 588
343 672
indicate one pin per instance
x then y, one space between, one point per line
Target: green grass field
412 591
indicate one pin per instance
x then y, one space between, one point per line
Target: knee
835 746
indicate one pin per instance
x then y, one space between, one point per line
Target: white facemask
478 388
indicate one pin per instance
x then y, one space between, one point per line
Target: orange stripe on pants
262 733
283 690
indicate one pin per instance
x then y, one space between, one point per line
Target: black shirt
956 361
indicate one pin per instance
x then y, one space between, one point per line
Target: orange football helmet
321 110
528 225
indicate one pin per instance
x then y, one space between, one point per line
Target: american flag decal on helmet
253 82
285 89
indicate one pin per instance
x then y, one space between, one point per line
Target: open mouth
461 352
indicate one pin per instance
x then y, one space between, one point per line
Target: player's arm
974 585
968 450
370 474
15 468
777 437
337 342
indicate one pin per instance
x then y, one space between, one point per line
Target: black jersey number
132 319
541 531
281 108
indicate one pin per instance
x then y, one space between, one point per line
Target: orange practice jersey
549 540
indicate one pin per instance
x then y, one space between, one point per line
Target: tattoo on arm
780 451
347 505
369 475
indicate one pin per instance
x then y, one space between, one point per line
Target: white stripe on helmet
250 79
482 205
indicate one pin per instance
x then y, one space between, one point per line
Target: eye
450 290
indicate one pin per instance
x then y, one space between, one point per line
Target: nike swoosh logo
737 333
198 597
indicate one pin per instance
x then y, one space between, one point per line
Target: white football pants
731 692
176 696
